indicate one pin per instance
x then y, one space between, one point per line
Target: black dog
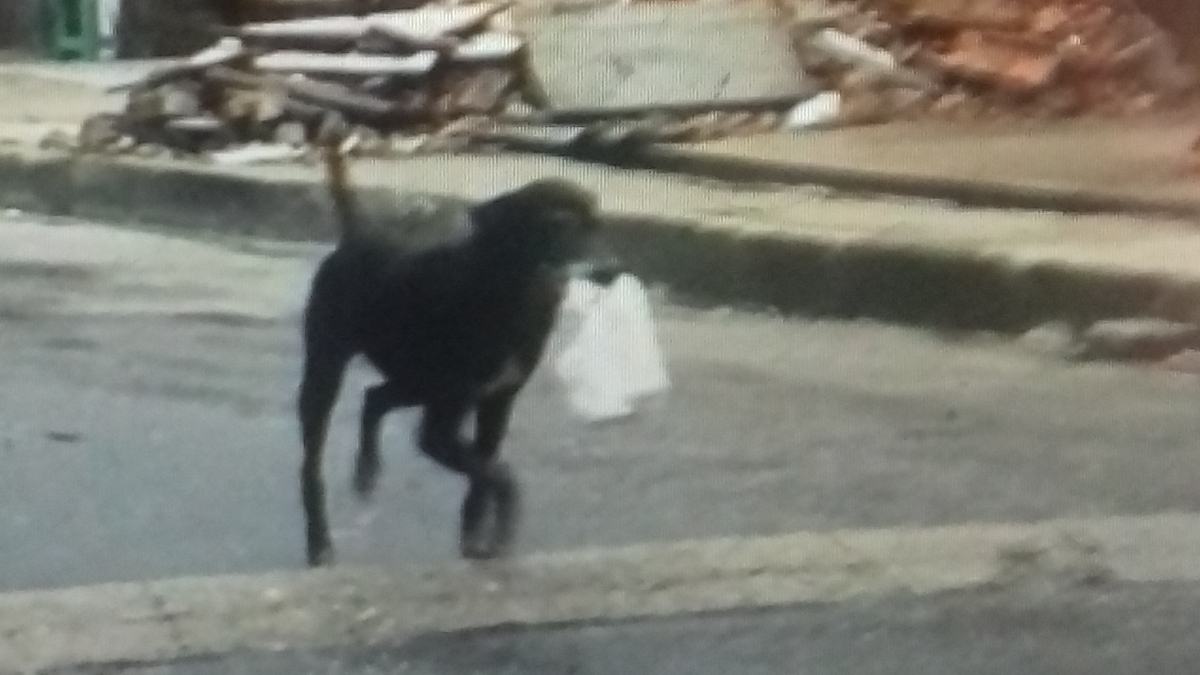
455 328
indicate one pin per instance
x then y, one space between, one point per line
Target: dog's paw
491 515
366 479
474 541
477 546
321 557
475 551
508 509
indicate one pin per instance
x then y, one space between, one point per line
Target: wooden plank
346 64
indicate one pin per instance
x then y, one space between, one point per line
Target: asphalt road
1116 630
147 388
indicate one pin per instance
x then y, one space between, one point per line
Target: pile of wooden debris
430 77
408 77
972 58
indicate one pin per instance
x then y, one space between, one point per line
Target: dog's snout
601 271
604 273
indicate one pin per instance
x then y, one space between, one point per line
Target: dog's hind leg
378 401
323 373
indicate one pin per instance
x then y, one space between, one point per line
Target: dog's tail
345 208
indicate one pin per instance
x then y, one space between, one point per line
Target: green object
70 30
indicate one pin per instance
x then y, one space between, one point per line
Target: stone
1137 339
1186 361
57 140
1055 339
655 54
291 133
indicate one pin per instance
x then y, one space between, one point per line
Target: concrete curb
794 273
963 192
195 617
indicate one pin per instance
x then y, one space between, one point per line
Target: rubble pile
404 79
971 58
437 76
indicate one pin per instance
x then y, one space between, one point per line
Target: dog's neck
498 255
505 268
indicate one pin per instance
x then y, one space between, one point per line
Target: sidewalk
1074 166
1123 160
360 608
797 248
1141 157
1119 629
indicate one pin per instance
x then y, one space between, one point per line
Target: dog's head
549 223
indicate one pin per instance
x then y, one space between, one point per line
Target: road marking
196 616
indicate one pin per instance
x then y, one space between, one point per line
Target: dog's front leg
496 483
441 439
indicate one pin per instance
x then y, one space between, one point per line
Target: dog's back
433 316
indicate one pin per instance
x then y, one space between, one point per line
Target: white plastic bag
611 358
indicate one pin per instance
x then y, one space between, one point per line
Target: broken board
622 56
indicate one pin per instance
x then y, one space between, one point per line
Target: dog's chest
509 375
486 343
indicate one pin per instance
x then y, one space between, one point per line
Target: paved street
148 432
148 428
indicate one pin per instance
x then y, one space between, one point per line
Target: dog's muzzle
603 273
